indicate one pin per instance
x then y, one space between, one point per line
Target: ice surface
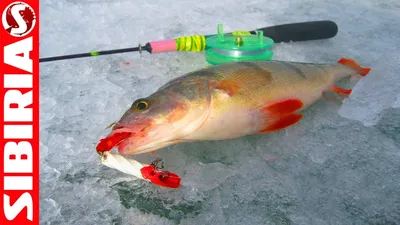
340 165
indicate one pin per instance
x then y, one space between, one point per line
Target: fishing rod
303 31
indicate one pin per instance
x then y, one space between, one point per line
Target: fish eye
140 105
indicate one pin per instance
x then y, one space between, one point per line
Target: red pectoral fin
281 114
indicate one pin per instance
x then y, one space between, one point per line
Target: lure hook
160 169
112 124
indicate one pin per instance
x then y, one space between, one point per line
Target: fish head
162 118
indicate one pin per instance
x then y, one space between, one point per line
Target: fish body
229 101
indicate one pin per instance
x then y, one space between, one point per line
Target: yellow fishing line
196 43
236 33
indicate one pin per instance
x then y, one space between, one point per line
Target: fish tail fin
363 71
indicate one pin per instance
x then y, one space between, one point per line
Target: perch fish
226 101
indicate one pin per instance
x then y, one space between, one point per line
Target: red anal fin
162 178
281 114
152 152
227 86
282 123
339 90
363 71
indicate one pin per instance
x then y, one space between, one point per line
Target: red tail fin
353 64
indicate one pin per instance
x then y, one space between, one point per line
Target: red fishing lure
162 178
106 144
152 172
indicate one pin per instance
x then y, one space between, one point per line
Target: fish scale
263 81
258 85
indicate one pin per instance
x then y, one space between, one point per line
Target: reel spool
238 46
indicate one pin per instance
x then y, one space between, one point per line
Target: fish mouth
120 137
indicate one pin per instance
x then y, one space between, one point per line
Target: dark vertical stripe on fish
254 68
296 69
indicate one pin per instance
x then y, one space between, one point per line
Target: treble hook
155 163
101 154
160 169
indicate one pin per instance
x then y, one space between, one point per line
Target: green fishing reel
238 46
